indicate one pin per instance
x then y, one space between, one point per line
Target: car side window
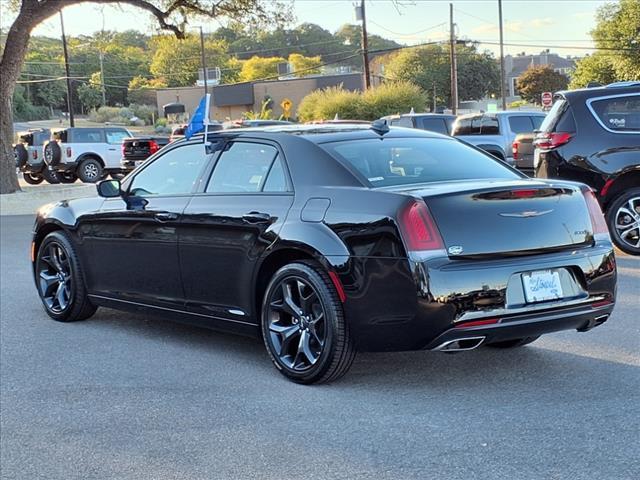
115 137
620 114
276 179
87 135
537 121
402 122
437 125
242 167
174 173
489 126
467 126
520 124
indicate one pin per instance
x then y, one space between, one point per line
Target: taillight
550 140
595 213
153 147
418 228
122 149
69 152
514 150
34 154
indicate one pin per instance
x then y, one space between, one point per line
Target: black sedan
328 239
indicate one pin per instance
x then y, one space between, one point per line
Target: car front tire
623 220
60 282
90 170
303 325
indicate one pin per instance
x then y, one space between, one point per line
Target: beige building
229 102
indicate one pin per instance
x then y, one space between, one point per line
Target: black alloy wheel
59 280
623 219
303 325
33 178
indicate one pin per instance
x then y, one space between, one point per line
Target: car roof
325 133
502 114
424 114
604 91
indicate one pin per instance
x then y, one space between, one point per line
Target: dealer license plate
542 285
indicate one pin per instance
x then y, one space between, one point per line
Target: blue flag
199 119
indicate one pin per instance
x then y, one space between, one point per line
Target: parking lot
128 396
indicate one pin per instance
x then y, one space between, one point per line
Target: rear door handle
165 216
256 217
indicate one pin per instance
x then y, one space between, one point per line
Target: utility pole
454 63
365 47
502 73
204 64
66 69
104 90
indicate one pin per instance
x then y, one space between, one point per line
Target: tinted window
559 118
489 126
400 161
60 135
464 126
242 167
520 124
537 121
87 135
173 173
434 125
116 136
620 113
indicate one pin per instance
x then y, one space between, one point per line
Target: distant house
515 66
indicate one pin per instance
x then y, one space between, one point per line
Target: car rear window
437 125
559 118
520 124
404 161
479 125
618 113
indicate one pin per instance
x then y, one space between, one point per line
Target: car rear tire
67 177
518 342
51 176
303 325
623 220
33 178
21 155
52 153
90 170
60 280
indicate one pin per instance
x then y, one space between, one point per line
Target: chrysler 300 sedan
325 240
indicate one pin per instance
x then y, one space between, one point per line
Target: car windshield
404 161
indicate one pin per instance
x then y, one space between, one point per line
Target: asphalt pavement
124 396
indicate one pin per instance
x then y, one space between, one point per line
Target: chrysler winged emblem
526 213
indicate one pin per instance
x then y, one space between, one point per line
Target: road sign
286 105
547 99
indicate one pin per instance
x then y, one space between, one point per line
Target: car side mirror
109 188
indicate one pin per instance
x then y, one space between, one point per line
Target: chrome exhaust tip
460 344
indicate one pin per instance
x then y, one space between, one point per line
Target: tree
618 27
594 68
177 61
140 90
90 94
538 79
429 67
172 15
260 67
304 65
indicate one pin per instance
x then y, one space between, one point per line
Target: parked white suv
87 153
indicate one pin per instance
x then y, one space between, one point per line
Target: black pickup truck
136 150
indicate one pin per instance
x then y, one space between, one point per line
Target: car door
114 137
227 227
131 245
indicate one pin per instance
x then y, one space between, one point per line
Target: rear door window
467 126
404 161
618 114
243 167
489 126
87 135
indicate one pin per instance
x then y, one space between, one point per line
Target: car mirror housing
109 188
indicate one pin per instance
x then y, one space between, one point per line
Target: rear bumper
399 304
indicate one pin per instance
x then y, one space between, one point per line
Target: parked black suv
593 136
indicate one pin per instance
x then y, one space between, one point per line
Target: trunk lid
507 217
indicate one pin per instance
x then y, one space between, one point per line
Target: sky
530 25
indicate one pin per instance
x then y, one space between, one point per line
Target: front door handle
165 216
256 217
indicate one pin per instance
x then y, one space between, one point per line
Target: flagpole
206 116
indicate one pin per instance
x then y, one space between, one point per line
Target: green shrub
105 114
390 98
386 99
148 113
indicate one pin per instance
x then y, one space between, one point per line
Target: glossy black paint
606 161
205 258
